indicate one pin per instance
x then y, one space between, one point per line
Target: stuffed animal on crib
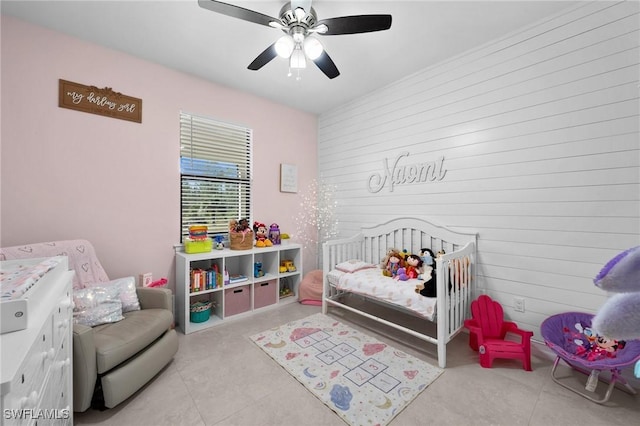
401 274
429 287
413 264
261 231
394 262
619 317
385 259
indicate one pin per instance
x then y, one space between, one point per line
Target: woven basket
240 241
200 311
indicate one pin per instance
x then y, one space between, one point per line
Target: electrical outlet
518 305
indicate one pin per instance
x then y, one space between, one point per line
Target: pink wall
68 174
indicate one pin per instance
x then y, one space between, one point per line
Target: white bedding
372 283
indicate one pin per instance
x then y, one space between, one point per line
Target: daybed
113 360
455 272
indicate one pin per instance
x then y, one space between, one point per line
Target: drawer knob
29 401
50 354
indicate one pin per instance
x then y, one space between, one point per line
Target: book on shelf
201 280
236 278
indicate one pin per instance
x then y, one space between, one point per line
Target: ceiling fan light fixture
321 29
284 46
312 48
299 12
297 60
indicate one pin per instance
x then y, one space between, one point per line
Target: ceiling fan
299 22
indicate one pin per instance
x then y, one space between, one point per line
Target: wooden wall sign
99 101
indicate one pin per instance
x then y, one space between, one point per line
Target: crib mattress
371 283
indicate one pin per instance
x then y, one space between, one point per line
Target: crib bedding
371 283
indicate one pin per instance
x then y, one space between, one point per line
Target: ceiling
181 35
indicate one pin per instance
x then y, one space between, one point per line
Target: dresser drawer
59 374
37 376
62 314
32 372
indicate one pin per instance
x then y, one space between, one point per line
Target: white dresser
36 368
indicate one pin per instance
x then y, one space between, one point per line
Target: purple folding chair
570 336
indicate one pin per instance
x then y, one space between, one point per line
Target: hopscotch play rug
365 381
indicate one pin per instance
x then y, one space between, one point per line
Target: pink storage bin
265 294
237 300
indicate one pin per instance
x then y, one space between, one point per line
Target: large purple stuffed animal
619 317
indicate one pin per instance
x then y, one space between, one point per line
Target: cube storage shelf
241 298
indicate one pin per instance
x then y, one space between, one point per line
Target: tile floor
219 377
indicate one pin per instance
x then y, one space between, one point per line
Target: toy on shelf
219 245
285 291
287 266
198 241
257 270
198 232
261 232
240 235
274 233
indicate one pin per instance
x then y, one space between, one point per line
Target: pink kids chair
488 331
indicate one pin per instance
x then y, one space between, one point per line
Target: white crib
455 271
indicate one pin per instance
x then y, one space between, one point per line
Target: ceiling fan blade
264 58
326 65
355 24
237 12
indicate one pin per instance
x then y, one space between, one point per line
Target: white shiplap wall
540 135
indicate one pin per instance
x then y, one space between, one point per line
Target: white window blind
215 173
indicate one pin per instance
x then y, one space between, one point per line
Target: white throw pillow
353 265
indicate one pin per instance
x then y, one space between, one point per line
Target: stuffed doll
385 259
619 317
413 264
262 235
394 263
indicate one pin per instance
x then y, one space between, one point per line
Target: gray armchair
111 361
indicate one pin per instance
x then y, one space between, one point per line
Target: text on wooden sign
99 101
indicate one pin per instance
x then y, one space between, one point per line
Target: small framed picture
288 178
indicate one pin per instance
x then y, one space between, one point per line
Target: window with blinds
215 173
